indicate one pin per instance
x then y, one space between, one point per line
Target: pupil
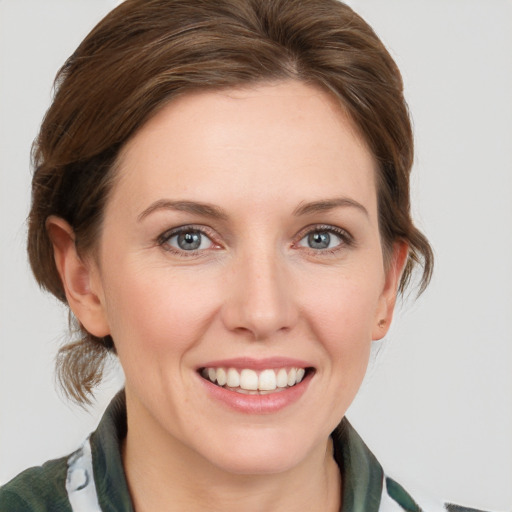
189 241
319 240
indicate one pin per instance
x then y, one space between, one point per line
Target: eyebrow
214 212
203 209
328 204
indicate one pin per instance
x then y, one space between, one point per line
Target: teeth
233 378
282 378
222 377
267 380
292 377
250 382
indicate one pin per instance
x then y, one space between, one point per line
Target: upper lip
257 364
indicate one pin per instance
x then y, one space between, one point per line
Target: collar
362 475
106 442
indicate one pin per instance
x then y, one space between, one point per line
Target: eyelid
347 240
163 239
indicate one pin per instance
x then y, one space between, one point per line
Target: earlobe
387 299
79 278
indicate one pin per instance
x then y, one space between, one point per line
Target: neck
165 475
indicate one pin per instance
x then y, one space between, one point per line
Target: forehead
252 142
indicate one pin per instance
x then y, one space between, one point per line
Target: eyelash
164 238
346 239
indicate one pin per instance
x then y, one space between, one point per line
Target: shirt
92 478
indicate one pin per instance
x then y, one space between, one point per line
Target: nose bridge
260 299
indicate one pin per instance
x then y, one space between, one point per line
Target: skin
254 289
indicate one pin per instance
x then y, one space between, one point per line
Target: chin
261 453
258 464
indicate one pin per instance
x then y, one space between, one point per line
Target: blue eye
187 240
321 239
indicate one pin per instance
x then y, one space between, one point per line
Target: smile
252 382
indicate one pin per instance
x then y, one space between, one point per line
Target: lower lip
258 404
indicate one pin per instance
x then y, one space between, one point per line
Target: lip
257 404
239 363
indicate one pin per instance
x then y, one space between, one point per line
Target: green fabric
111 486
362 474
38 489
399 494
457 508
43 489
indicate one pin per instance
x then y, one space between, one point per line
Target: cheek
343 322
154 312
344 309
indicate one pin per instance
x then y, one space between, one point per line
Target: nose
259 297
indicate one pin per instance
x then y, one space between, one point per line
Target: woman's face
241 243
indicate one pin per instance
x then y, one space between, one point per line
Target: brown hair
145 53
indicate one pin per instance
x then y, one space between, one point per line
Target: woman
221 198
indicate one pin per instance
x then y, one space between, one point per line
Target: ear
387 300
80 278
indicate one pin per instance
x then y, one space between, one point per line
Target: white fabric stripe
425 502
80 484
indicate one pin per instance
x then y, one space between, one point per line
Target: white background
436 407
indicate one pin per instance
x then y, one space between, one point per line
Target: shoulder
91 476
37 489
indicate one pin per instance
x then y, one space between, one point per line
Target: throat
199 487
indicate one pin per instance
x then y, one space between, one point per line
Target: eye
186 239
325 238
